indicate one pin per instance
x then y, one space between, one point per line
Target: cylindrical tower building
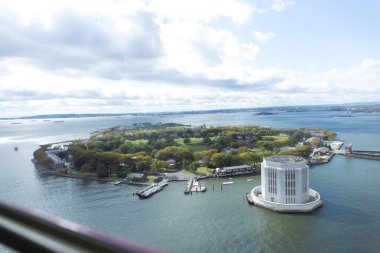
285 185
285 179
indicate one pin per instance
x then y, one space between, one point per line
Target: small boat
123 181
197 187
229 182
117 183
249 180
16 148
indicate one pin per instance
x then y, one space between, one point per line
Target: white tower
285 179
285 186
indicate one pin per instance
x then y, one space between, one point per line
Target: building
172 164
137 177
322 151
236 170
285 186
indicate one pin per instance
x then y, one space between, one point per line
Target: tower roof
284 159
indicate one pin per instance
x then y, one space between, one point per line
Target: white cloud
201 11
263 37
197 50
368 63
281 5
124 56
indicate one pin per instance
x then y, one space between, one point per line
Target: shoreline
45 171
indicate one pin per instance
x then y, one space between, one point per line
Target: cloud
82 42
281 5
263 37
201 11
369 63
123 56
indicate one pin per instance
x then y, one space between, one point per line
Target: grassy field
194 146
203 170
139 141
194 141
200 170
150 179
276 137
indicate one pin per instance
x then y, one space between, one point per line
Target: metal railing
28 230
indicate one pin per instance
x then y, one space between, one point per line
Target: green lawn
150 179
194 146
194 141
203 170
276 137
139 141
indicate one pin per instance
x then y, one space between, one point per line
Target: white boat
197 187
229 182
249 180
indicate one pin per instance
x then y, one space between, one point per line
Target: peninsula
145 149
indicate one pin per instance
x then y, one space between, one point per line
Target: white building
285 186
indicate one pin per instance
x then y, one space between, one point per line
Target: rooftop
237 167
284 159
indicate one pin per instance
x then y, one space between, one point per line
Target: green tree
221 160
159 165
87 168
102 171
297 137
256 159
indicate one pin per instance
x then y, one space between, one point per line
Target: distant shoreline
352 107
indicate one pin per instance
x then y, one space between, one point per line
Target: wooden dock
152 189
189 185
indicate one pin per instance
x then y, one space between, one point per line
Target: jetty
152 189
363 154
194 186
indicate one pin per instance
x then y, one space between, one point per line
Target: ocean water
215 221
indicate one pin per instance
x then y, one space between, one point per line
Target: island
145 151
266 113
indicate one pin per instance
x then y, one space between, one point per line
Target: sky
115 56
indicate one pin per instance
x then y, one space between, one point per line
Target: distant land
349 108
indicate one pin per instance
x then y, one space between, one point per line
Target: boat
197 187
16 148
229 182
249 180
123 181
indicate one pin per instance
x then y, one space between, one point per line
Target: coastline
45 171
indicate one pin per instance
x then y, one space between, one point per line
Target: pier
189 185
372 155
152 189
194 186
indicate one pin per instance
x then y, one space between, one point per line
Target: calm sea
216 221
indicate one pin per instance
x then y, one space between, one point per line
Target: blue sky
105 56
